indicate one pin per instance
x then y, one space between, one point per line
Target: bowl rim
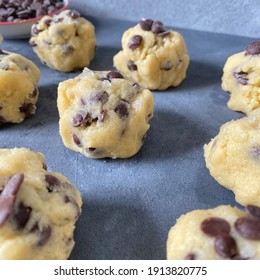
66 4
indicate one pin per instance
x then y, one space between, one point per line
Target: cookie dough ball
242 79
153 56
104 114
38 208
221 233
233 158
18 92
65 42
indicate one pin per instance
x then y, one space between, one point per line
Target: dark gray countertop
130 204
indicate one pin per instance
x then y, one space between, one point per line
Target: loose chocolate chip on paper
8 196
215 226
135 42
248 228
146 24
225 246
131 65
253 48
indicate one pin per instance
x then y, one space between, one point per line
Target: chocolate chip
167 66
44 233
238 257
35 30
255 152
69 199
32 43
225 246
74 14
114 75
48 22
8 196
22 215
67 49
137 87
76 140
122 110
56 19
52 182
104 79
215 226
253 48
190 256
131 65
146 24
254 211
157 27
102 116
79 118
135 42
164 34
3 52
28 109
241 77
34 93
100 97
248 228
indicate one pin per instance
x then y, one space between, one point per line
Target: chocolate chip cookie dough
65 42
153 56
242 79
233 158
38 208
214 234
18 92
104 114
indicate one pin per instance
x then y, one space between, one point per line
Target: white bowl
22 29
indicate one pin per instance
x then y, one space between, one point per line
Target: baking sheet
130 204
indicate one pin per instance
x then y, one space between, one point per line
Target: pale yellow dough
161 61
186 236
241 78
233 158
113 114
65 42
53 204
18 92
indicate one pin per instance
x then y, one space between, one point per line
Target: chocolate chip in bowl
17 16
